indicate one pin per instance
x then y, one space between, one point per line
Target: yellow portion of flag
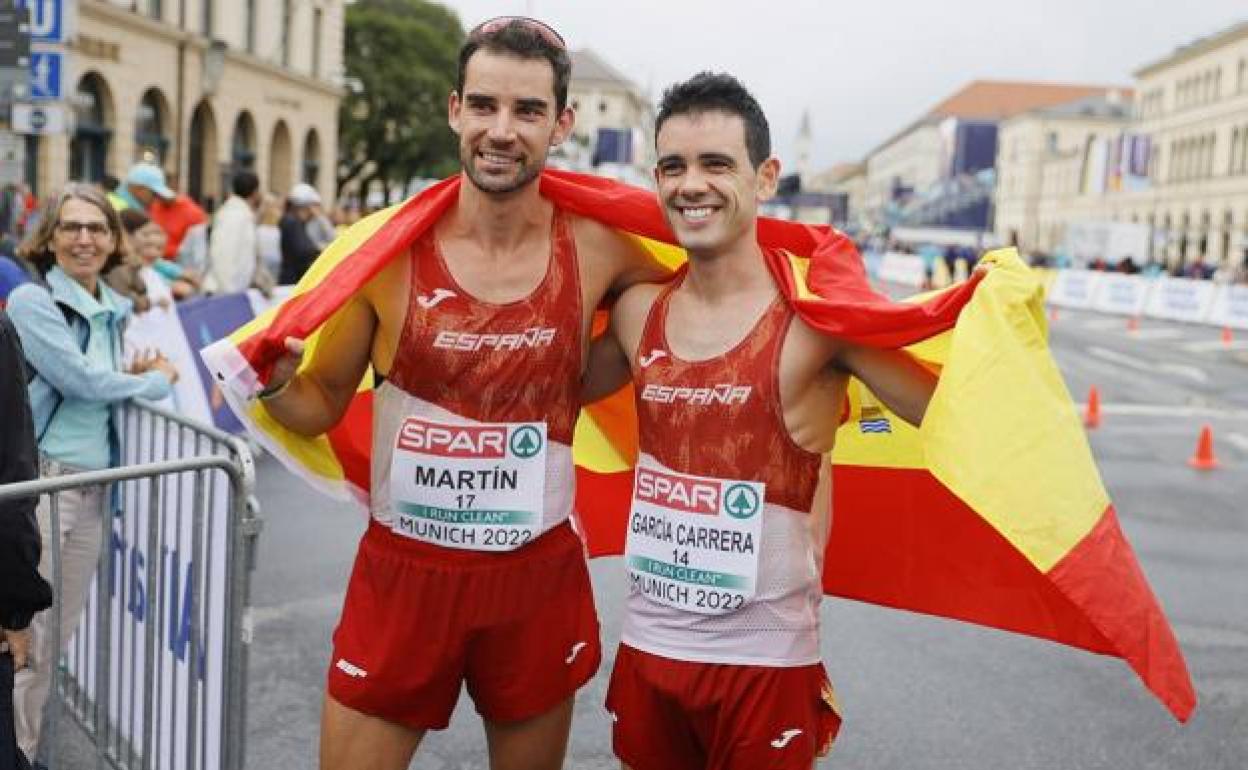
341 248
1001 429
592 450
314 455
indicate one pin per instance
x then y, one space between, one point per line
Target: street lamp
214 66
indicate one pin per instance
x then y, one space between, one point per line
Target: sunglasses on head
541 28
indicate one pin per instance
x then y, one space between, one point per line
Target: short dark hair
518 38
717 91
133 220
244 184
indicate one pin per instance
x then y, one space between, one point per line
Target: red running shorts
679 715
419 621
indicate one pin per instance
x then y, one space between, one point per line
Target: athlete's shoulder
594 237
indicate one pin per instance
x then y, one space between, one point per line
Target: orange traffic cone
1133 324
1227 337
1204 459
1092 414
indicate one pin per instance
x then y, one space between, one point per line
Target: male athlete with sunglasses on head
470 573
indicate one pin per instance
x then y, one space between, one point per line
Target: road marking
1120 358
331 602
1157 334
1206 346
1170 410
1101 324
1239 440
1183 370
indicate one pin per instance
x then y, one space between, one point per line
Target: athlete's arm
606 368
609 364
314 400
619 260
901 382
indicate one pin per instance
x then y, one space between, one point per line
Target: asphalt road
917 692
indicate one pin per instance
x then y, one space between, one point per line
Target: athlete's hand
286 366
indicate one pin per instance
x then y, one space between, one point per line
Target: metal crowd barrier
155 676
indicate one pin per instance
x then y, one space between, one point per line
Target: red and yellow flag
991 512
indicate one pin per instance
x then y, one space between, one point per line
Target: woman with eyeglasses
70 327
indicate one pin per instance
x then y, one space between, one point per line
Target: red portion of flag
603 501
352 440
1102 576
901 539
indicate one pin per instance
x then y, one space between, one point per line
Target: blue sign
47 20
45 75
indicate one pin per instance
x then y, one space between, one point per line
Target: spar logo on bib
682 493
526 441
430 438
741 501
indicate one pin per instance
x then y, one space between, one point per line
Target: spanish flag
991 512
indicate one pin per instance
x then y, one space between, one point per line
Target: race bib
693 541
478 487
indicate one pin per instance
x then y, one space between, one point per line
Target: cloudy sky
865 69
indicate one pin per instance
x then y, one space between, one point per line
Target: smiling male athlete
469 573
738 404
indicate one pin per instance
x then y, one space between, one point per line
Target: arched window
150 142
243 144
280 166
312 158
88 150
202 171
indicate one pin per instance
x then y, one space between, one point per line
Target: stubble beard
525 174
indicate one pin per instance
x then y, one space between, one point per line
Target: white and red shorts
680 715
420 621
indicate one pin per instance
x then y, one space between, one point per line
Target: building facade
931 166
1041 155
614 132
204 88
1186 174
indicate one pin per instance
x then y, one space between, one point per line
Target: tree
401 58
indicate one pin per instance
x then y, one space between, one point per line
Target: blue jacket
52 324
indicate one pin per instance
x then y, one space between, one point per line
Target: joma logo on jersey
678 492
536 337
724 393
452 440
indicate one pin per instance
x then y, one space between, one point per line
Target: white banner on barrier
166 606
904 269
1074 288
1121 294
1230 307
1181 299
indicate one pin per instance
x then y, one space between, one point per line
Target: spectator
1199 269
148 242
298 248
320 228
232 260
70 327
12 275
268 235
23 591
144 184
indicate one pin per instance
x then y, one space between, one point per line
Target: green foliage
400 65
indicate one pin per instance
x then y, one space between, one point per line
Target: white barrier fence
1174 299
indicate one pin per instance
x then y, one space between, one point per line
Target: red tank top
722 416
514 362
